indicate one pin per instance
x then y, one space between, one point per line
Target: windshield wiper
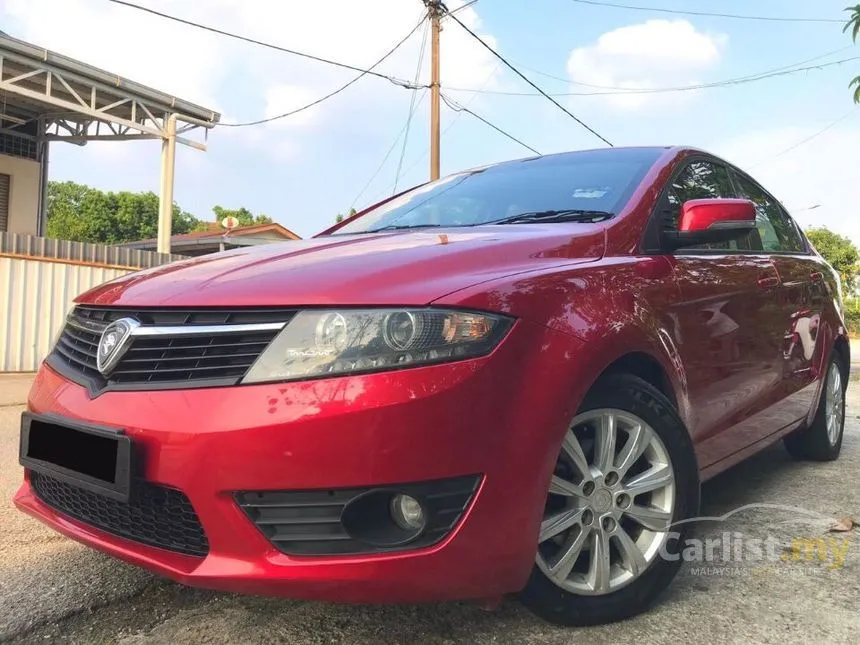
567 215
399 227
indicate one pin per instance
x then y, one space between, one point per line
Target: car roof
560 156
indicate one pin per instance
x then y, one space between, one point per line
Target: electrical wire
461 108
615 87
334 92
390 150
450 125
662 90
682 12
807 139
261 43
411 105
463 6
526 79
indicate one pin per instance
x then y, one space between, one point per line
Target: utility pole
435 9
165 203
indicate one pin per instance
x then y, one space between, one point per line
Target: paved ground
55 591
13 388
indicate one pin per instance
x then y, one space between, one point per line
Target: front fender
617 308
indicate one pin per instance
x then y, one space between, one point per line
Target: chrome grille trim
173 348
183 330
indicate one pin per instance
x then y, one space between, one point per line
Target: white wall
23 193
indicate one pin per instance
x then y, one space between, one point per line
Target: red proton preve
510 380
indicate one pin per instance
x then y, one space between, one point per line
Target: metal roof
78 102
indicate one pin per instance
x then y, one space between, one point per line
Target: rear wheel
609 542
822 440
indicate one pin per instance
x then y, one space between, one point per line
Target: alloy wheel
610 503
834 404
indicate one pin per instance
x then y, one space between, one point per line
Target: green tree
340 216
84 214
853 25
839 251
245 217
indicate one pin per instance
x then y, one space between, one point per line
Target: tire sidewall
556 605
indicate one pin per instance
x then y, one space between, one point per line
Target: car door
802 295
728 322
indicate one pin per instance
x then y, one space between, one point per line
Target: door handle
768 283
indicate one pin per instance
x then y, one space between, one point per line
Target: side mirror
707 221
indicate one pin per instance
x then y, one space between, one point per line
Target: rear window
599 180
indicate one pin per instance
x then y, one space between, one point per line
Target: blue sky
303 170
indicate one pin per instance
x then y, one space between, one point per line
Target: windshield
598 180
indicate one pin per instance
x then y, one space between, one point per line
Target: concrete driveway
53 590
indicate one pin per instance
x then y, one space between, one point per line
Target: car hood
395 268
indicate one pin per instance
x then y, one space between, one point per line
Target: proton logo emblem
114 342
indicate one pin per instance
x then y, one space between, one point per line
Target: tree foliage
340 216
245 217
839 251
853 25
83 214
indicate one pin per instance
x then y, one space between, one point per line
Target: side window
779 233
700 180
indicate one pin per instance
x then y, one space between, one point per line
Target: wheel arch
646 367
842 348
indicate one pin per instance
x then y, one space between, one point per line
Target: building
216 239
48 97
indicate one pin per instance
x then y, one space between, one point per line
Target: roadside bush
852 316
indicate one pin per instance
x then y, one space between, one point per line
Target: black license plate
94 458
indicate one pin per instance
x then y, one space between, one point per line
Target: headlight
331 343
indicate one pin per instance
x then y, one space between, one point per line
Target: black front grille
205 359
309 522
156 515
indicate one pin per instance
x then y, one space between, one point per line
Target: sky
798 133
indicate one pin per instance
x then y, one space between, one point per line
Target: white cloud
250 81
822 171
281 99
145 48
656 53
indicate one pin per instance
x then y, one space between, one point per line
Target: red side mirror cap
704 214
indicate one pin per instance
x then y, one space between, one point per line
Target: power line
333 93
661 90
261 43
461 108
411 104
615 87
615 5
808 139
450 125
464 6
523 76
390 150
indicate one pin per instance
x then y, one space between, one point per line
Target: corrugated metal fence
38 281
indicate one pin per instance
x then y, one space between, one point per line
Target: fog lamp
407 513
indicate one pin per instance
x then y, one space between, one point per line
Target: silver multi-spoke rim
834 404
610 503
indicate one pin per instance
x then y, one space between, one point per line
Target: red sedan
511 380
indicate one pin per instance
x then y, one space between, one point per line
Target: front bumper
501 416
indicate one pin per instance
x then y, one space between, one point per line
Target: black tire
561 607
813 443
